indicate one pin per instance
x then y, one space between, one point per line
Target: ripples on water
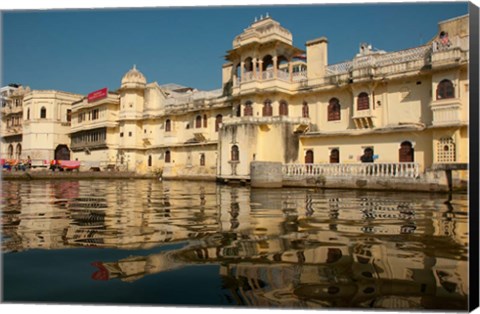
224 245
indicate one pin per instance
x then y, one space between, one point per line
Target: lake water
199 243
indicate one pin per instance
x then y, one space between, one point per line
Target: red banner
98 94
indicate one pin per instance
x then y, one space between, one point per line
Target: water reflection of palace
291 248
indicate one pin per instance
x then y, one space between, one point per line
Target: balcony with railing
449 51
270 78
12 130
446 112
380 170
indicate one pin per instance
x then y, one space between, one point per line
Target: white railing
283 75
248 76
339 68
393 170
299 76
379 60
267 74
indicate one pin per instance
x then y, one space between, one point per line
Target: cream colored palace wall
42 136
407 101
318 110
244 136
384 145
185 161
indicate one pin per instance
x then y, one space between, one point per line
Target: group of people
9 164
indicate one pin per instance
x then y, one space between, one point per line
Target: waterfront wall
269 175
266 174
73 175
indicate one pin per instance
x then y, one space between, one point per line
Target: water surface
199 243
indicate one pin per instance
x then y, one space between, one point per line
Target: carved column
260 68
274 59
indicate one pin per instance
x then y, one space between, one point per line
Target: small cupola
134 79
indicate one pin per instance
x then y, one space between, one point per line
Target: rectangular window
95 114
121 134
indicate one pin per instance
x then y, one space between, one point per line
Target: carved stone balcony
364 119
446 112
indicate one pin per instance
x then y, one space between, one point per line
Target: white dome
133 76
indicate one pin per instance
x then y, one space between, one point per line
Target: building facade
404 112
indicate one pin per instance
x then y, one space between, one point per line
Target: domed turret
134 79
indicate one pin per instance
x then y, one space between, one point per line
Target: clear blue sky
84 50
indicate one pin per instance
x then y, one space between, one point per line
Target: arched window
283 108
282 64
248 64
305 111
405 153
198 122
18 151
10 151
205 121
445 90
267 108
202 159
43 113
248 110
267 62
168 125
309 157
69 115
149 160
334 110
218 122
234 153
167 156
335 156
363 103
28 114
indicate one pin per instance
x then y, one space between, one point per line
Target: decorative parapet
378 60
265 120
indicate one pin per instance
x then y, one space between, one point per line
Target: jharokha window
334 110
248 110
445 90
363 101
283 109
305 112
267 108
234 153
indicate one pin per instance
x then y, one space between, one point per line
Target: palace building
391 113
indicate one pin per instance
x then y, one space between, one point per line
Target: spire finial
266 15
255 18
134 66
261 16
